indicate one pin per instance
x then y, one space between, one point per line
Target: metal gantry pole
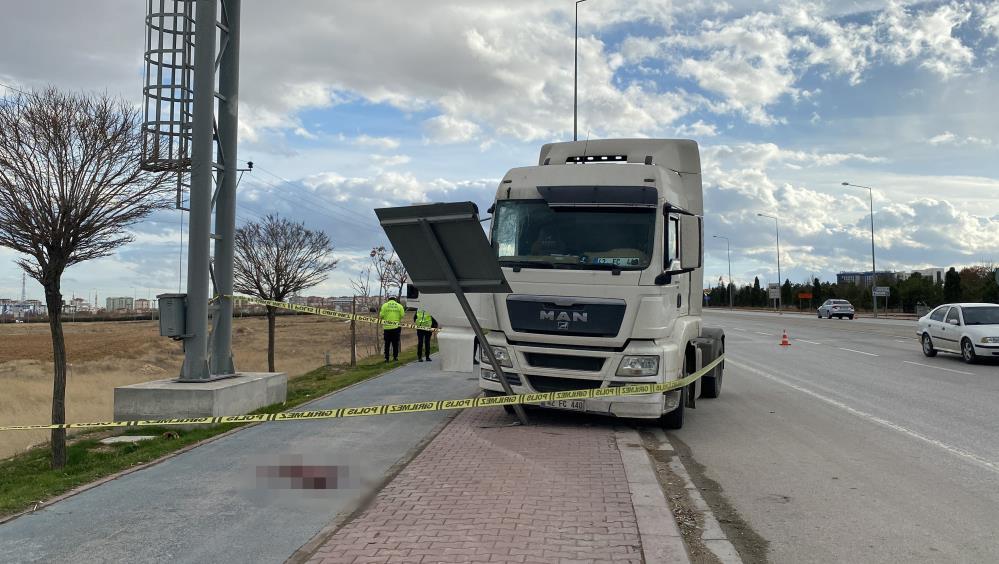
225 203
195 366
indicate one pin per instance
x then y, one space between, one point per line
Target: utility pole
353 332
575 73
874 269
780 286
731 287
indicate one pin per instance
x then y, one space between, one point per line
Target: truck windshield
530 234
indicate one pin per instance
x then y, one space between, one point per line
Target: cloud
697 129
379 142
927 35
948 138
450 129
390 160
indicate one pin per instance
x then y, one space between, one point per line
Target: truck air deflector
602 196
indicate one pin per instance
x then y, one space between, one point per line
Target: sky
349 106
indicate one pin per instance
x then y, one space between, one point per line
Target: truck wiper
518 264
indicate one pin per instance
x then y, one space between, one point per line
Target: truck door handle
678 300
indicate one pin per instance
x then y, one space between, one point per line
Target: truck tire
674 419
711 383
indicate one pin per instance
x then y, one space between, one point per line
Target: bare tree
397 276
70 186
381 260
277 258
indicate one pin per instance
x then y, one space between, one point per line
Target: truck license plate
575 405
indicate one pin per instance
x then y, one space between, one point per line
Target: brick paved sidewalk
483 491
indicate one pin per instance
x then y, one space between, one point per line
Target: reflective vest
391 314
424 321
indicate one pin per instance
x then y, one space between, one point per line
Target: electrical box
173 318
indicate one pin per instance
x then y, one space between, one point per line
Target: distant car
970 330
836 308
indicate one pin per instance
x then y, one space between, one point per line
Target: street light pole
728 249
575 72
874 270
780 286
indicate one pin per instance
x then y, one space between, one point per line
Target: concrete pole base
235 395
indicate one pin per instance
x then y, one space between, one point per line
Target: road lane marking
898 341
763 333
807 341
969 456
859 352
939 368
738 329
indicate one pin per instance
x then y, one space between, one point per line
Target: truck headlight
990 339
645 365
487 374
501 354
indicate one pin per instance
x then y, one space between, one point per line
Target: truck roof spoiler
678 155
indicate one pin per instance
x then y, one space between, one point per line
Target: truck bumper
646 406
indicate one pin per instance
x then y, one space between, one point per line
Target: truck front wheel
674 419
711 385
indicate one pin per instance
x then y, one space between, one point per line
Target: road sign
804 295
774 293
883 291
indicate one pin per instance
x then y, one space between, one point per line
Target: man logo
563 317
563 325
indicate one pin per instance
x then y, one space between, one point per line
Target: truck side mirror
691 232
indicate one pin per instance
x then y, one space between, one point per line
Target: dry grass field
105 355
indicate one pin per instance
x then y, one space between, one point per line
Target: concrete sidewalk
209 504
485 491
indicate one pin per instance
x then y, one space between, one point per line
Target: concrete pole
195 366
225 204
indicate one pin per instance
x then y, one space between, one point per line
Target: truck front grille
565 362
555 384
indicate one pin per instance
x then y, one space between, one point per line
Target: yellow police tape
440 405
320 311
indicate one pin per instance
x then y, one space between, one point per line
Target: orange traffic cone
784 342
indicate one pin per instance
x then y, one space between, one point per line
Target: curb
712 535
660 536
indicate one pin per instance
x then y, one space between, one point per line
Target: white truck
602 244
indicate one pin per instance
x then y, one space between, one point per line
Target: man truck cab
602 244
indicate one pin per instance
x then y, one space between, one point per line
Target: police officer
425 323
391 314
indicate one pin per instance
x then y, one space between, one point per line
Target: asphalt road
208 505
850 445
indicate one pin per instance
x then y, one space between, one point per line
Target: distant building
119 304
142 304
864 279
315 301
934 274
297 300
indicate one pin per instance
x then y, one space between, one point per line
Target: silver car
836 308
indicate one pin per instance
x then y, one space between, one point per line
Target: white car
970 330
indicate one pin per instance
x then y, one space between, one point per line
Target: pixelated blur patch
297 472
